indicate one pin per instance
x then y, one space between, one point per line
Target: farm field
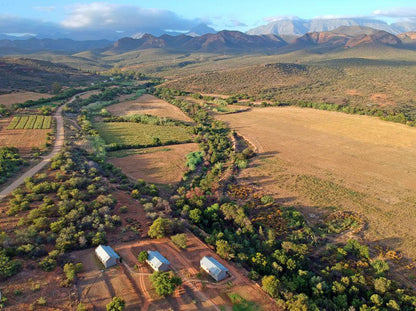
128 133
20 97
96 288
161 165
320 161
148 104
30 122
22 139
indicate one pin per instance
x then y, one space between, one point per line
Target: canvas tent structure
107 255
157 261
214 268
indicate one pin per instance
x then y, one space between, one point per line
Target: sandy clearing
369 163
20 97
148 104
162 165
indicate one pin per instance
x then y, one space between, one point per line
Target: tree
179 240
143 255
224 249
165 283
117 304
56 87
382 285
380 266
271 285
195 215
8 267
159 228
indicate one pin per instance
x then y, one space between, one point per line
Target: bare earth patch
148 104
311 158
161 165
96 286
20 97
24 140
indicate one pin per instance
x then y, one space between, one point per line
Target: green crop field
30 122
126 133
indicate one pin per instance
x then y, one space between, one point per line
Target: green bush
117 304
143 255
165 283
179 240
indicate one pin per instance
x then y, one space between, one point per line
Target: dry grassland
20 97
148 104
161 165
22 139
312 158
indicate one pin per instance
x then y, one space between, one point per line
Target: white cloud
101 15
280 18
237 23
397 12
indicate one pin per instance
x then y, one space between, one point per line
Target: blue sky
47 15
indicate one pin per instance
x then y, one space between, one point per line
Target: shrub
8 267
117 304
159 228
143 255
193 159
41 301
47 264
179 240
165 283
267 199
271 285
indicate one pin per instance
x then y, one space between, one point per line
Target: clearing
96 286
128 133
148 104
161 165
312 158
22 139
21 97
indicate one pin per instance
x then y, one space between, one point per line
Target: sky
127 16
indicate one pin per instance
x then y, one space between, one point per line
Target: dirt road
59 142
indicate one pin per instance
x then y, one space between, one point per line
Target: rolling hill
30 74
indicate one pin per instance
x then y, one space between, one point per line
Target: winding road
59 142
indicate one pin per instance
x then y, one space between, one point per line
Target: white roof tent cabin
107 255
214 268
157 261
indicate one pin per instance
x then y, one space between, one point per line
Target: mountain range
221 42
234 41
299 27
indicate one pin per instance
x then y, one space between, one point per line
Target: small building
214 268
157 261
107 255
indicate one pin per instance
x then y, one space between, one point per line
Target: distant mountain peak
200 30
223 41
346 37
301 27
